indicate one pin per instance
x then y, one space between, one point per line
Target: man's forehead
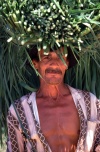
50 52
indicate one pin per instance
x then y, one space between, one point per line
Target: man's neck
52 91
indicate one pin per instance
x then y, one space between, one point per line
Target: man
56 118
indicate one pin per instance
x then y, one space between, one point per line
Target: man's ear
36 64
67 62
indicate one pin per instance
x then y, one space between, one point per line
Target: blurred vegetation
3 142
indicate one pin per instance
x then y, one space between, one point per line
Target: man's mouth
53 71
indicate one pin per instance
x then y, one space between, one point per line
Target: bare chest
59 122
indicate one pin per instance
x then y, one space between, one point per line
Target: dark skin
58 115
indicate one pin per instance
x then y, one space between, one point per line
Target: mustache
55 71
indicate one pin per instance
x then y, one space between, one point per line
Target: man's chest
59 121
63 116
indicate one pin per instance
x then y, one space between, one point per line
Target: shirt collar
32 97
74 92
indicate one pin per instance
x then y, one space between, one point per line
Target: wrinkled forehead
36 55
71 57
51 51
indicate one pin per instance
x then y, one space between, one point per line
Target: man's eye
46 57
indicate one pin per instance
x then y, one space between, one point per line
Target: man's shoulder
25 99
77 91
83 93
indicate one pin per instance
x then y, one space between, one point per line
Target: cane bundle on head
46 23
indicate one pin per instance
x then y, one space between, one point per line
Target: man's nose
54 59
55 55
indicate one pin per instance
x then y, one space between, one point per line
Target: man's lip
53 71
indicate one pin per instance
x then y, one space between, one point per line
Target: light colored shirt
24 130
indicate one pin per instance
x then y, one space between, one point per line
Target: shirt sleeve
97 131
15 142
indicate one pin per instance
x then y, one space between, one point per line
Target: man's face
51 68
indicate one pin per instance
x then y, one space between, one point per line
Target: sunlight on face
51 68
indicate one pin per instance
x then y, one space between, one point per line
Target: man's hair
33 53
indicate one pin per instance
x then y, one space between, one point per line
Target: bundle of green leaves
49 22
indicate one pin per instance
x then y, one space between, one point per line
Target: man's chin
53 81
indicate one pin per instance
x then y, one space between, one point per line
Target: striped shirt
24 130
